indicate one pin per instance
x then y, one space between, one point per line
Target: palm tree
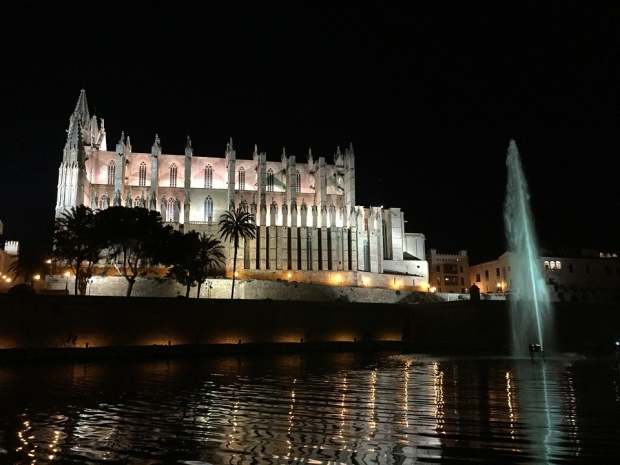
210 255
78 240
27 265
236 224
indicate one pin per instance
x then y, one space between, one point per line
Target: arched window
552 265
142 174
241 182
558 265
546 265
365 224
208 208
297 181
136 201
269 180
173 175
208 177
111 172
170 210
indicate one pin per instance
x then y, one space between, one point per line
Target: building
570 275
448 273
305 211
9 250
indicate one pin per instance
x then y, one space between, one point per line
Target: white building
581 275
305 211
9 250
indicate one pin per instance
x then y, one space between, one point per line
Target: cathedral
307 219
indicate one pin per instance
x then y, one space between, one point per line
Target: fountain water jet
530 306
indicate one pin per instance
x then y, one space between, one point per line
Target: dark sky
430 93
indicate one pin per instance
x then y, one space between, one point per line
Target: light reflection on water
316 409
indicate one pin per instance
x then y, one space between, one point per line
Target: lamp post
67 274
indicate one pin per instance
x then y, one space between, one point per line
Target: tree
183 251
210 255
135 238
234 225
78 242
27 265
193 256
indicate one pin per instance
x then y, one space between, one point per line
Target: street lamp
67 274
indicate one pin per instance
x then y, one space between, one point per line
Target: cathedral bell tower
83 137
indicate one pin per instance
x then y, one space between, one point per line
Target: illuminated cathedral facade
307 219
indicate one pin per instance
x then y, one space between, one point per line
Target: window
170 210
552 265
460 269
462 281
136 201
269 180
486 275
450 269
558 265
173 175
438 268
111 172
438 280
142 175
241 182
208 208
208 177
451 280
497 272
365 224
570 268
297 181
478 278
546 265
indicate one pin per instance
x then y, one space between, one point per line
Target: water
312 409
530 308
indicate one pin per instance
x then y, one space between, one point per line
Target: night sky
429 93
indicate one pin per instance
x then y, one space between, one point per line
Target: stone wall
245 288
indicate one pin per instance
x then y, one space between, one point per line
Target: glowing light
432 289
67 274
36 277
8 280
236 274
289 276
48 261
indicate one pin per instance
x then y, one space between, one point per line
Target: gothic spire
81 109
188 143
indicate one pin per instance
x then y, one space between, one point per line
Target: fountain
530 307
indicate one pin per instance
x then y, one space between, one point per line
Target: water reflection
321 409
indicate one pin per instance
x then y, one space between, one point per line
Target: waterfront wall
44 321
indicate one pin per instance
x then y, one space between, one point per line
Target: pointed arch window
241 183
142 175
297 181
136 201
170 210
111 172
173 175
208 208
208 177
269 180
